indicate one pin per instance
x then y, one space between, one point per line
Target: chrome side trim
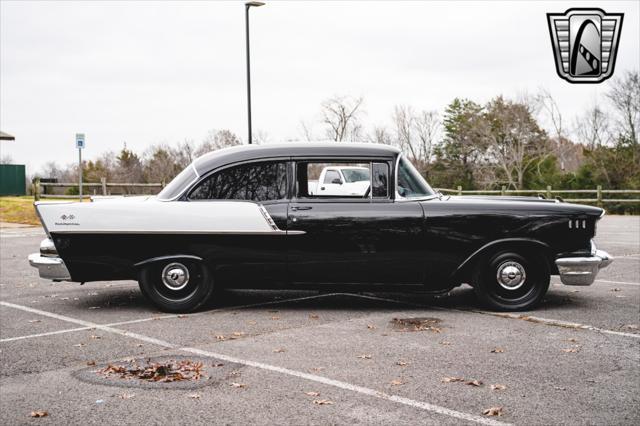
170 257
50 268
163 232
583 270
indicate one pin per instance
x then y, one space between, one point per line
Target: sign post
80 146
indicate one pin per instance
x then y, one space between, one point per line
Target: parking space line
113 324
273 368
534 319
618 282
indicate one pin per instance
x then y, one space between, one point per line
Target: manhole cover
416 324
170 372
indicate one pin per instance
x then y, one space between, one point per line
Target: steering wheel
367 192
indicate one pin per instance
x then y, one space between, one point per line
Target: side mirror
337 181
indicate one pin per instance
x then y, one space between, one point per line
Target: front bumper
51 268
583 270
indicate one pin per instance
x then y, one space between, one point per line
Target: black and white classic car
244 217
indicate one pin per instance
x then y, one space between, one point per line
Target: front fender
465 269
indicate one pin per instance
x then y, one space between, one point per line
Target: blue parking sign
80 140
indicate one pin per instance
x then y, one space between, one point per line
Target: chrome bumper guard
49 265
583 270
50 268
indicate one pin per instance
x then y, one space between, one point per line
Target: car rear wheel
512 281
181 285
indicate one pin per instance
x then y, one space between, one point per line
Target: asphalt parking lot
323 358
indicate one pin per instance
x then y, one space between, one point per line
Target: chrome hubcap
511 275
175 276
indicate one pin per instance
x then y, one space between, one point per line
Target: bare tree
341 114
380 134
592 128
217 139
6 159
416 133
427 124
516 143
625 97
307 132
563 148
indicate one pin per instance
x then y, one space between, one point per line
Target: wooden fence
103 188
550 193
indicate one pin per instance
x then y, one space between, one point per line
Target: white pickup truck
341 180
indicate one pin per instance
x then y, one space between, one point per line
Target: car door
240 259
342 239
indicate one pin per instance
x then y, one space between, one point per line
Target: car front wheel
512 281
181 285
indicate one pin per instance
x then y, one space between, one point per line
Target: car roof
221 157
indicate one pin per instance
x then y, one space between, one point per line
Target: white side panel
153 216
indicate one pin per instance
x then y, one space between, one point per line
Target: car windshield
178 184
356 175
410 183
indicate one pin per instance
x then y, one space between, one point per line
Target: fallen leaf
238 385
235 373
316 369
498 387
450 379
35 321
371 326
616 289
493 411
251 322
275 318
322 402
445 343
474 383
181 316
397 382
497 351
313 316
239 333
39 413
217 364
96 337
91 363
402 363
570 350
572 340
221 337
364 356
312 393
632 326
194 395
79 345
279 350
126 395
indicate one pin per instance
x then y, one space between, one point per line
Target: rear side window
251 182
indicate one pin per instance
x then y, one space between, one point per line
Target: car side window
331 176
380 180
252 182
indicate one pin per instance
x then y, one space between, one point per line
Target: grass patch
18 210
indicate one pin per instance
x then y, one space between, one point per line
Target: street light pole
247 6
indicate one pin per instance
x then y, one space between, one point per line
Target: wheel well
464 272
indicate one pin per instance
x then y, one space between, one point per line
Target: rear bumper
583 270
51 268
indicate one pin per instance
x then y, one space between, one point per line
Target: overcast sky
149 72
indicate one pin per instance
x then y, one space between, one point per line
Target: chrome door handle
298 208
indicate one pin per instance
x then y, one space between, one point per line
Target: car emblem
585 43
